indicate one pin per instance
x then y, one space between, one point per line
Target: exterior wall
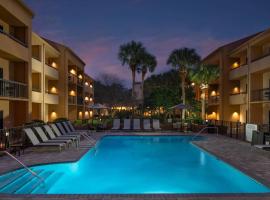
15 59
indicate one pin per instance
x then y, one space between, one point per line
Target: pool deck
252 161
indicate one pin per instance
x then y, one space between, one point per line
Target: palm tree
203 76
148 64
131 54
183 59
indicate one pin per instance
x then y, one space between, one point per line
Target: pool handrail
25 167
205 128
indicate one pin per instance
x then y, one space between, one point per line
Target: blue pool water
144 164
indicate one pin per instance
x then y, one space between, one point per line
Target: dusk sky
96 28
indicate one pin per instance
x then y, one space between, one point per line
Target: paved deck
254 162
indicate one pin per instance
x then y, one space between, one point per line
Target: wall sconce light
72 71
80 76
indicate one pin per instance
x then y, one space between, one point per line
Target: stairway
23 182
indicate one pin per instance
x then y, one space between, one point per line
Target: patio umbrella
98 106
180 106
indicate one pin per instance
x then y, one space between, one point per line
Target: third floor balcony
260 95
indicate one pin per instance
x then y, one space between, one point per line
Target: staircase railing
25 167
203 129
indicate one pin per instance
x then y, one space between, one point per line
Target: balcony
13 89
37 96
239 72
238 98
72 78
80 100
13 47
51 98
72 100
213 100
259 64
260 95
51 72
36 65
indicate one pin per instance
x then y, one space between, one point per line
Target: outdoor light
192 84
53 90
86 99
72 71
80 76
86 83
235 90
91 85
213 93
91 99
53 115
235 64
54 64
72 93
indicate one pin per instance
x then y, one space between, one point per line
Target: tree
183 60
203 76
131 54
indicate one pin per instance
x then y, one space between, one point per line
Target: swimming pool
137 165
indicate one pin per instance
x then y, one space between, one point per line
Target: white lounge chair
116 124
146 124
44 138
156 124
136 124
36 143
53 136
126 124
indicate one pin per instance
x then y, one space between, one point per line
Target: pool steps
23 182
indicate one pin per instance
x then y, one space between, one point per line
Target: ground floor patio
252 161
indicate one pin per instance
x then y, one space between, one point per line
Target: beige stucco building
242 92
39 79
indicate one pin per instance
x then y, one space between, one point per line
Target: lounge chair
78 133
116 124
36 143
53 136
263 146
136 124
44 137
68 125
146 124
156 124
126 124
59 132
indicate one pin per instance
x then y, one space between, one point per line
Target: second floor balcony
238 98
260 95
13 89
72 100
213 100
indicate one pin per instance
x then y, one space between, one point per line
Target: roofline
248 38
69 49
34 33
21 2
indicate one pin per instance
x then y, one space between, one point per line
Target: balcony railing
213 99
72 78
13 89
72 100
13 38
79 100
260 95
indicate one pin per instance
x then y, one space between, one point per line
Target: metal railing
71 100
25 167
203 129
213 99
13 89
260 95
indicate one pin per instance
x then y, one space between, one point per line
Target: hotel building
242 92
39 79
15 63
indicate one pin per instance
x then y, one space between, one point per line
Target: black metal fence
13 89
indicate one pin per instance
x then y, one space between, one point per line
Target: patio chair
116 124
136 124
146 124
44 137
126 124
36 143
53 136
59 132
156 124
78 133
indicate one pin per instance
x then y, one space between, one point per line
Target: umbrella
98 106
180 106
